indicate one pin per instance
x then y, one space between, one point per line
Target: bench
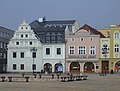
73 77
64 78
11 77
84 77
3 78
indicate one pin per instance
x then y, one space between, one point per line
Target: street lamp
105 51
33 50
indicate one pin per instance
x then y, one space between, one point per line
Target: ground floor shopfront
110 65
88 66
57 68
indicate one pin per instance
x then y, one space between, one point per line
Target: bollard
23 75
58 76
39 75
52 76
27 79
3 78
35 75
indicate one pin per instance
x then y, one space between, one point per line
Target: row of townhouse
62 46
5 36
39 46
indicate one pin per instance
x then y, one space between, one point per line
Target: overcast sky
96 13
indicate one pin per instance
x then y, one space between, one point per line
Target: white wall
53 58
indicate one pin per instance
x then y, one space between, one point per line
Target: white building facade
30 52
21 54
54 57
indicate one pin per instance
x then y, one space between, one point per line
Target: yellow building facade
115 48
104 57
111 60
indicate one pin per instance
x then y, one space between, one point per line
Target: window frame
14 54
58 50
116 48
14 66
47 52
82 50
92 50
71 50
22 67
22 55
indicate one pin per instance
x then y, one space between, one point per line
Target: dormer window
53 37
47 37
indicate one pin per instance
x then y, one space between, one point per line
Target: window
108 34
1 45
53 37
5 55
22 54
14 55
26 27
58 51
47 51
14 66
22 66
116 48
59 37
26 35
81 39
91 39
21 27
30 43
33 66
17 43
34 54
21 35
5 45
70 27
47 37
116 35
92 50
72 39
81 50
71 50
1 55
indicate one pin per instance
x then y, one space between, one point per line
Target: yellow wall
104 31
114 57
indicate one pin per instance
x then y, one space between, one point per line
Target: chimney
42 19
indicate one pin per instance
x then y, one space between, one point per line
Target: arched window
116 35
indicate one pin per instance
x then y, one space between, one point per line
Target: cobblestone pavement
94 83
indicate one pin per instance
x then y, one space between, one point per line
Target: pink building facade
82 50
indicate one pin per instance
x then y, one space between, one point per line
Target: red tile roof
91 30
